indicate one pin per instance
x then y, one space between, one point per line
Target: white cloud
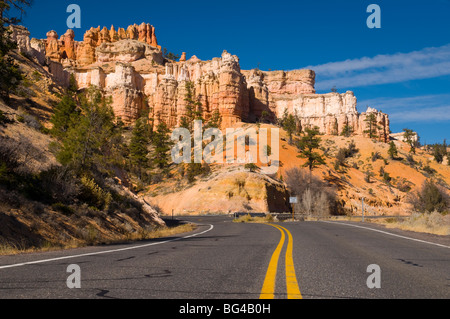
383 69
411 102
432 114
425 108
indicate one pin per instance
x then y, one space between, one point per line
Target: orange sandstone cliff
128 65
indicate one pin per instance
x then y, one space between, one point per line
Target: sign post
363 209
293 201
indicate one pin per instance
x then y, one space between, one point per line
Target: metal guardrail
286 216
237 215
279 216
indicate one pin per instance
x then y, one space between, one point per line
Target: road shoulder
436 239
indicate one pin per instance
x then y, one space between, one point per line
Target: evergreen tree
94 141
252 167
162 143
372 124
347 131
193 108
440 151
264 117
192 171
409 136
10 75
431 198
307 146
169 55
289 124
215 121
335 128
393 152
63 115
139 143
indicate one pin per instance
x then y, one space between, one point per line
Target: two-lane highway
226 260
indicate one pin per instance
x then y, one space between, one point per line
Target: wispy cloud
432 114
425 108
384 69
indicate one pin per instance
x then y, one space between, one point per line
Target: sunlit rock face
128 65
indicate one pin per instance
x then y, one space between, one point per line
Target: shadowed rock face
228 192
128 65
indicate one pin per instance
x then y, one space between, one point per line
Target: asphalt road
225 260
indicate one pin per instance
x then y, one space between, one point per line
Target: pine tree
194 109
215 121
10 75
440 151
138 147
162 144
169 55
307 146
409 136
94 141
347 131
63 115
373 126
289 124
264 117
335 128
393 152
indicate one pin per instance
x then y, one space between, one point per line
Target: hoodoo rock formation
128 65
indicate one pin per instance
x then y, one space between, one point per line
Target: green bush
3 118
94 195
387 178
252 167
429 169
64 209
431 197
404 185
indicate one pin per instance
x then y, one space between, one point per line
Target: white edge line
106 251
383 232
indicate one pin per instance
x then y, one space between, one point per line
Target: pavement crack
132 257
166 273
103 293
407 262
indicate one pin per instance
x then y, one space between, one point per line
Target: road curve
226 260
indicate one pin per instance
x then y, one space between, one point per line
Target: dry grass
433 223
161 232
15 249
166 232
255 220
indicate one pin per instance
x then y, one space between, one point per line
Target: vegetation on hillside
10 75
85 192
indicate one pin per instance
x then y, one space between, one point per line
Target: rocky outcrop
21 36
79 54
228 192
127 51
52 47
277 92
68 46
34 49
218 85
129 66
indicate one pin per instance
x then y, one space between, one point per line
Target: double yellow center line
293 291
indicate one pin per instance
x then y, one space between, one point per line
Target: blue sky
402 68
